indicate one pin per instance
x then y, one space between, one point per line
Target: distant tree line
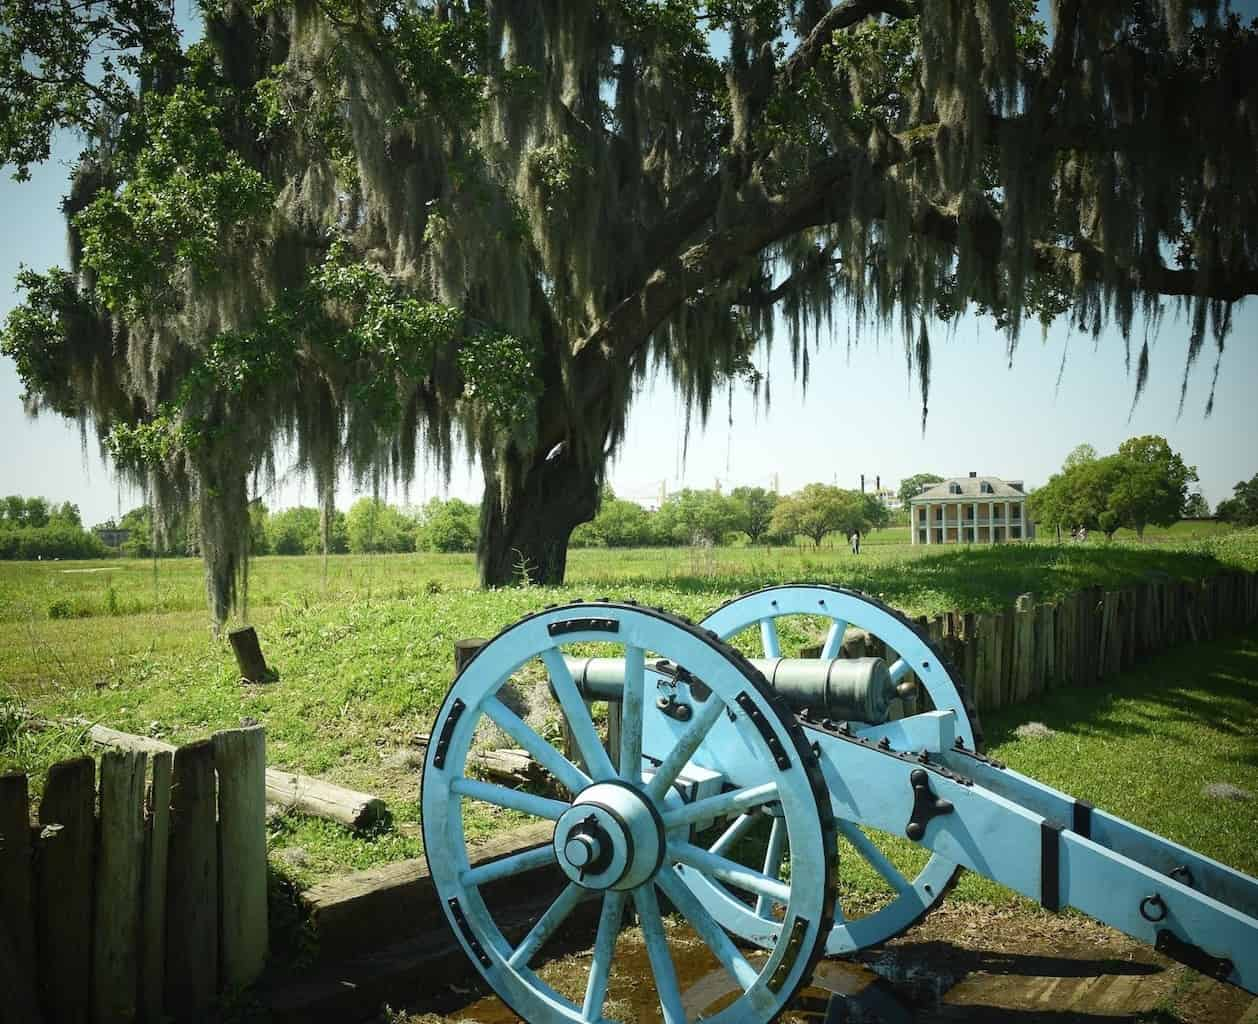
34 528
752 514
371 525
1242 507
1143 484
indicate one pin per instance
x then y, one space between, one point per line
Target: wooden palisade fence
1012 656
151 906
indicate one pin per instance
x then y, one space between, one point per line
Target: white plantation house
970 510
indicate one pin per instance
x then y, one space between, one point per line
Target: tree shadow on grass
1216 681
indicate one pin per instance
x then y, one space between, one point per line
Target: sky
861 412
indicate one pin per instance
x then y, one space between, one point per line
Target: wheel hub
610 838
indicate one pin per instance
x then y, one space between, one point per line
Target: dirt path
963 963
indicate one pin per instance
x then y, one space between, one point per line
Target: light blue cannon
727 796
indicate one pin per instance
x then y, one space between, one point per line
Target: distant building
970 510
112 537
890 499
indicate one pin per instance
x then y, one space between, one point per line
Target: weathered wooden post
116 948
240 760
249 659
67 815
192 884
465 650
17 905
153 924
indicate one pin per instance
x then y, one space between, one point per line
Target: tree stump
465 650
249 659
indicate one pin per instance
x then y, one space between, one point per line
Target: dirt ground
963 963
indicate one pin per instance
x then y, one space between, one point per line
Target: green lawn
365 656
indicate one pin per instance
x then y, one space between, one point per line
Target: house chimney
973 474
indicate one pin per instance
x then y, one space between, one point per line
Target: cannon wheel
912 898
617 835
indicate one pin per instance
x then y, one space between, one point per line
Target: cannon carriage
713 750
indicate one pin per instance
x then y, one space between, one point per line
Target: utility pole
862 483
775 483
663 492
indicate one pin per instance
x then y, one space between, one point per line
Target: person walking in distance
855 540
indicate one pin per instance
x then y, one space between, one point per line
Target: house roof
971 486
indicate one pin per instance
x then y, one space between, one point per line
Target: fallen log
324 799
287 790
509 765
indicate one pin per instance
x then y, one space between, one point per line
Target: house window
985 488
921 515
939 514
921 536
1015 532
1015 512
954 488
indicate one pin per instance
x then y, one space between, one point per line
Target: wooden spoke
729 872
547 925
579 720
565 772
721 805
514 799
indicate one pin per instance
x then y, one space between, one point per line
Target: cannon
731 784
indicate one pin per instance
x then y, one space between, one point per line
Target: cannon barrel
848 689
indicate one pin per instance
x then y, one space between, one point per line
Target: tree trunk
526 536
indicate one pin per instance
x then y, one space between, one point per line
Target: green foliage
295 531
911 487
499 374
38 335
1143 483
691 516
448 526
1196 506
1079 455
1241 508
184 196
619 524
819 509
374 526
76 67
754 510
35 528
1153 484
55 540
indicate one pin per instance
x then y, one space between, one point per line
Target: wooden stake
64 890
17 905
249 659
192 884
240 759
116 943
153 922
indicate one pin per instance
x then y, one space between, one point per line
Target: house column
930 526
1008 522
991 522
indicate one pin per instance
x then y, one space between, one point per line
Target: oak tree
380 231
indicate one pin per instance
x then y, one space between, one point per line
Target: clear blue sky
860 414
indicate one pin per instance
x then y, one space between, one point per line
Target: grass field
365 657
